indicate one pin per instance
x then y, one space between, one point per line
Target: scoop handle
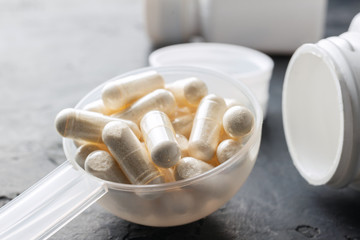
48 205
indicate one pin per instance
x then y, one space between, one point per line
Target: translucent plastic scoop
49 204
69 190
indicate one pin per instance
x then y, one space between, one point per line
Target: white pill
79 143
206 128
83 151
130 154
160 140
99 107
184 145
181 111
183 124
190 167
227 149
121 93
161 100
238 121
102 165
87 126
188 91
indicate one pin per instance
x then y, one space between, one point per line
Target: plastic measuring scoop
69 190
49 204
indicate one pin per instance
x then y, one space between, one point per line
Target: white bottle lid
251 67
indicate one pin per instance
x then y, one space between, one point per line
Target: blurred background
53 52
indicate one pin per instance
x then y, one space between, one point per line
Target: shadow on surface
344 206
206 228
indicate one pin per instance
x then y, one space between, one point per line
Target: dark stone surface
53 52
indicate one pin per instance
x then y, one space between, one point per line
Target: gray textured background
53 52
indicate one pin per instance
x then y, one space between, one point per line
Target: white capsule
168 173
79 143
206 128
83 151
188 91
87 126
227 149
99 107
184 145
183 124
120 93
130 154
160 140
181 111
190 167
238 121
102 165
161 100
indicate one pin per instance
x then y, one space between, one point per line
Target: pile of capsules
144 131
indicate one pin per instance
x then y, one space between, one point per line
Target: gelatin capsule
160 140
102 165
181 111
183 144
120 93
79 143
99 107
130 154
87 126
188 91
206 128
161 100
190 167
183 124
83 151
227 149
168 173
238 121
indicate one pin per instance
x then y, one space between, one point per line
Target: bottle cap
355 24
321 110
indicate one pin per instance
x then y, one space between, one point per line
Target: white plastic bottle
276 26
321 110
171 21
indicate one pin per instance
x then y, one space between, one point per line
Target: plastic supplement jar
276 26
321 110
